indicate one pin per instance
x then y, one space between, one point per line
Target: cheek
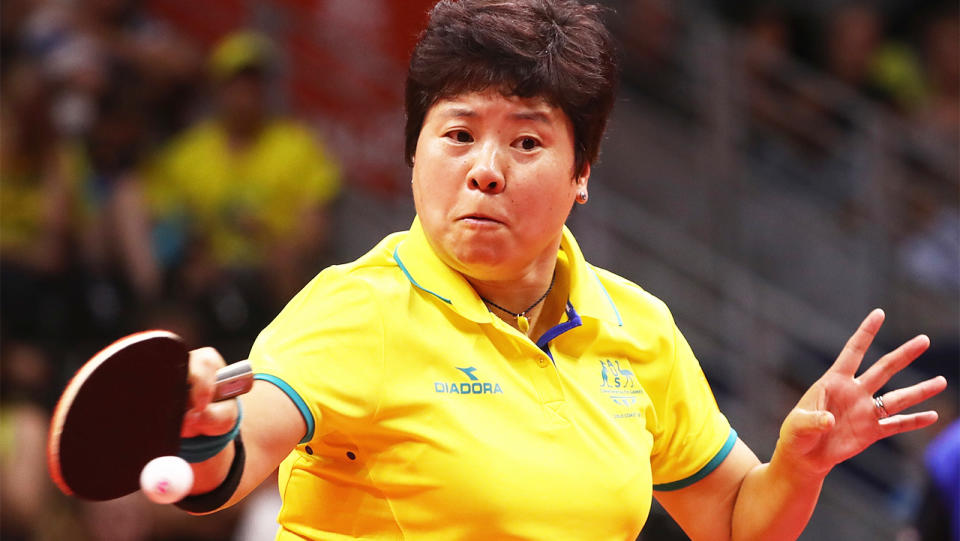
558 208
432 189
551 200
437 176
543 214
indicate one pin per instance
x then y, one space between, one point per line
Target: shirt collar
428 272
587 294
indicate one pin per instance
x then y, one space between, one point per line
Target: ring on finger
881 410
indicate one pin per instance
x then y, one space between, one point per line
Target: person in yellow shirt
474 377
244 194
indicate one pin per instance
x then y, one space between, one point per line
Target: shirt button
542 363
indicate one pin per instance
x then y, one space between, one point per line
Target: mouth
480 219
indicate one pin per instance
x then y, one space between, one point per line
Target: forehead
493 104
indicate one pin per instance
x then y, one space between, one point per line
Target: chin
481 263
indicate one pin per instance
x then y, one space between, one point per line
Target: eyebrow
463 112
459 112
536 116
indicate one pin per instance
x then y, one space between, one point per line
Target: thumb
803 429
215 419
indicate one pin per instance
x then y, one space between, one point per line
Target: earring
582 197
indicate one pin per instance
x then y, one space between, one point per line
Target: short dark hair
556 49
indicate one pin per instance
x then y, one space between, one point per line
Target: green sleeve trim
297 400
704 471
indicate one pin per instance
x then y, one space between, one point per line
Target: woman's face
493 183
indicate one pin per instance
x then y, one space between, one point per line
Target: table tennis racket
123 408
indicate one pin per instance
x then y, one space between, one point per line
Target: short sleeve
693 436
325 351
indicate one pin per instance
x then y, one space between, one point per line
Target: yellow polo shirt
430 418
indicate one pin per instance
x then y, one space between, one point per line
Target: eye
460 136
528 143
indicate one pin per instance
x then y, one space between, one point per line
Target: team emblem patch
620 384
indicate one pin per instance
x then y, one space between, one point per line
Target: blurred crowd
812 78
849 107
857 108
145 184
905 59
898 54
150 180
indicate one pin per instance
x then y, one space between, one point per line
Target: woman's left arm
835 419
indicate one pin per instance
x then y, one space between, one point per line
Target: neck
514 295
517 302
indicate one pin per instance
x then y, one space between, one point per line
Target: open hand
838 416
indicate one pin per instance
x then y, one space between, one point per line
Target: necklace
522 322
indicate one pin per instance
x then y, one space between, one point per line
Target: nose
486 174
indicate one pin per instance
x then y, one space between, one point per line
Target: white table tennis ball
166 479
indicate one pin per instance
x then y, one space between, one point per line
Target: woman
474 377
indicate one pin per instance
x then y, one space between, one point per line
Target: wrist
206 499
202 448
796 470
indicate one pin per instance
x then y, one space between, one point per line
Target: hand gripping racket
123 408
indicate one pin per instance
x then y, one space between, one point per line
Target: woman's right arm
271 427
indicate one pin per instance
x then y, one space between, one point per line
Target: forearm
208 475
775 501
267 438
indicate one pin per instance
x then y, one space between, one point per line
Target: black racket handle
233 380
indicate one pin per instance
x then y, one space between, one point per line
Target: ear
581 180
580 186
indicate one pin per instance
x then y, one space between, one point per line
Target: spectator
766 61
82 45
34 169
240 198
111 74
854 34
941 55
37 196
650 31
121 274
939 515
23 429
929 253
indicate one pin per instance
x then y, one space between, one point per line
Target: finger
803 428
880 373
202 376
849 359
215 419
805 423
901 399
905 423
